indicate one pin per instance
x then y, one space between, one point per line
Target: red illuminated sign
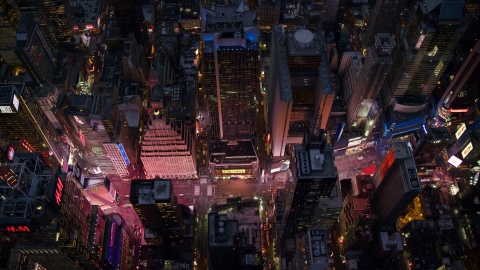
17 229
58 191
28 146
11 153
387 162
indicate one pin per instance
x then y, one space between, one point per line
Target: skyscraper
7 33
301 93
33 50
426 46
396 183
157 207
23 122
360 93
230 69
51 16
385 19
315 177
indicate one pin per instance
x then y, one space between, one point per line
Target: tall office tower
301 92
156 205
268 14
469 70
23 122
116 252
427 43
51 16
129 16
396 183
134 61
168 150
315 177
81 224
230 69
385 19
7 33
360 93
33 50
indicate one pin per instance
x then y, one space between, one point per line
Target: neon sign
28 146
58 191
387 162
17 229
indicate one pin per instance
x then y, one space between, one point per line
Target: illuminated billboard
455 161
461 130
467 149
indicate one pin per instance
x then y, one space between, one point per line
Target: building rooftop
151 191
7 92
237 152
147 12
221 230
303 42
84 11
316 163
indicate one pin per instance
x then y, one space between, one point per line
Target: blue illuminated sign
124 155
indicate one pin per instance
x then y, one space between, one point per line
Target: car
180 195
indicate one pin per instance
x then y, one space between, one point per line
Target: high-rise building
33 51
157 207
8 22
362 86
268 14
81 224
396 183
426 46
51 16
230 69
301 92
134 61
28 184
168 150
234 239
385 19
315 176
23 122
